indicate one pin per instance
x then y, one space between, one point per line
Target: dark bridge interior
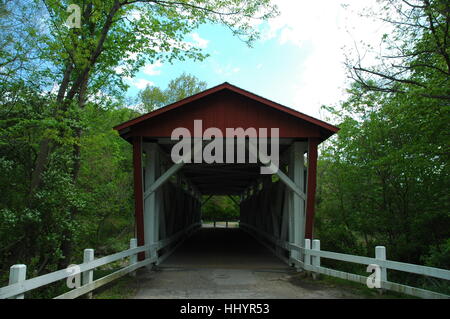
223 248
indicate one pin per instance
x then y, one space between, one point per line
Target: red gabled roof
227 86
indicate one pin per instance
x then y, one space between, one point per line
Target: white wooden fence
18 284
311 261
312 255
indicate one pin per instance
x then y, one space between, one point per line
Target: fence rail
312 255
18 284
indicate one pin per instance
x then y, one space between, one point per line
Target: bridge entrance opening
220 211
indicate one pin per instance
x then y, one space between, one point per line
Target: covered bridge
168 194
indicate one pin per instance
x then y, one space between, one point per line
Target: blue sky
297 62
264 69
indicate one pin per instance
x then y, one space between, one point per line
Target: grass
358 288
122 288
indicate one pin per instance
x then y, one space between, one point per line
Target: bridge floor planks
229 248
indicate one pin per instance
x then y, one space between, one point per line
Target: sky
297 62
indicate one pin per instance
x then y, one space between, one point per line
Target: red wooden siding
226 109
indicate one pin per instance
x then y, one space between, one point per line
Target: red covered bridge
276 205
168 194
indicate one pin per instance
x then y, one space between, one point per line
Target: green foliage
183 86
219 208
439 255
384 179
32 226
152 98
106 180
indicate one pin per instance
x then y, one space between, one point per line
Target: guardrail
312 255
18 284
220 223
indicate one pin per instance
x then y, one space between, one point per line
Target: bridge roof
227 106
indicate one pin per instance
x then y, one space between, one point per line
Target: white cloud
323 28
151 69
227 70
141 83
134 15
199 41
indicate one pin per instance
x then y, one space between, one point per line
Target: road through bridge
227 263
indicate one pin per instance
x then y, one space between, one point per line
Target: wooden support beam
290 184
203 203
285 217
163 178
217 170
175 168
283 177
297 203
138 193
168 160
311 186
151 207
227 177
234 201
195 191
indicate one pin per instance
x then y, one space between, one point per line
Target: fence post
88 276
17 273
306 254
133 258
380 254
315 260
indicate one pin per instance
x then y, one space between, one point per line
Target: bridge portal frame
221 107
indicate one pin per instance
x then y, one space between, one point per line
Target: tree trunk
44 146
41 162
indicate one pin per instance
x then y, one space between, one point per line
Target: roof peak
237 90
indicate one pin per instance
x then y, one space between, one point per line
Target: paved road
227 263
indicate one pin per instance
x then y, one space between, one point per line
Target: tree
183 86
416 57
220 208
152 98
72 67
384 179
17 44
